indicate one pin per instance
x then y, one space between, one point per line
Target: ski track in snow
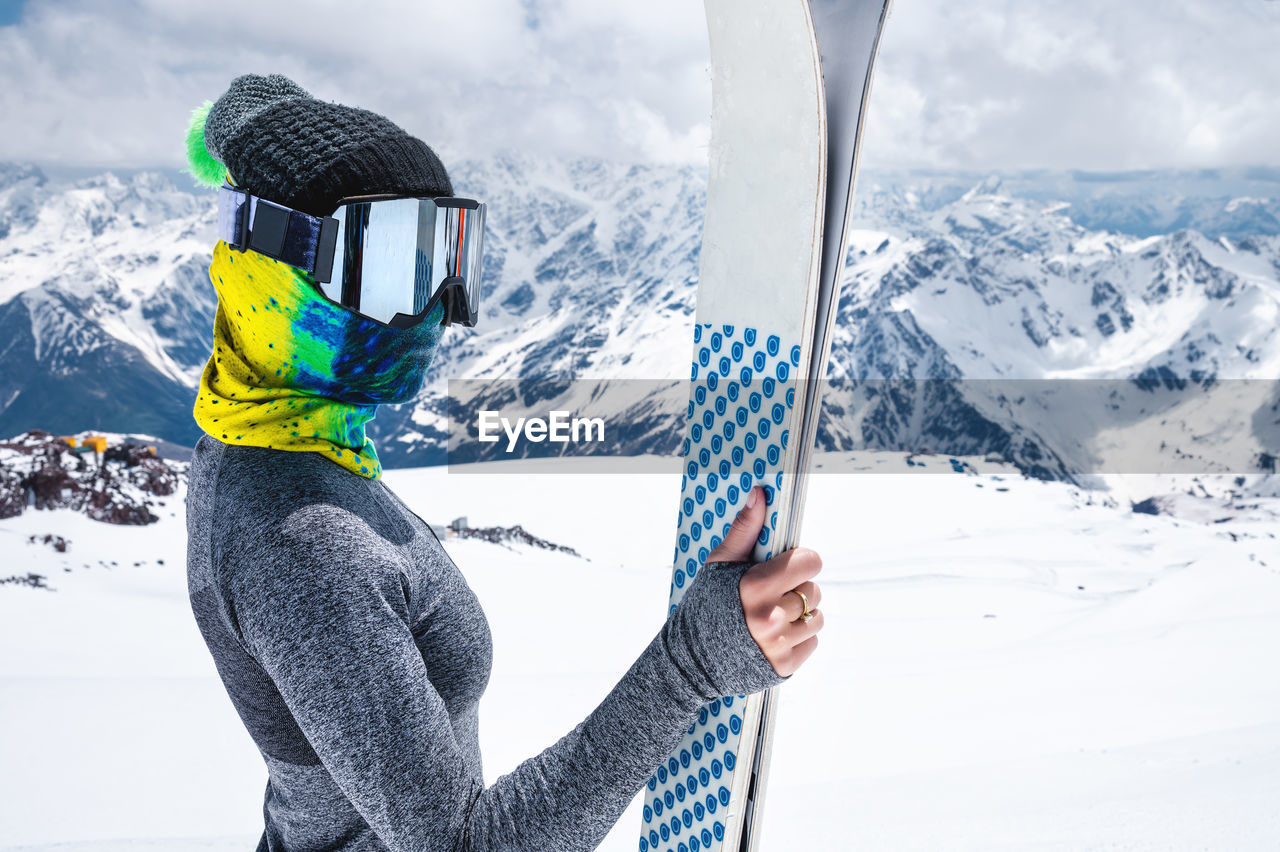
968 693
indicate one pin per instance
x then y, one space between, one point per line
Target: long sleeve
327 616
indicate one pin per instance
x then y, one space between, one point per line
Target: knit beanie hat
279 143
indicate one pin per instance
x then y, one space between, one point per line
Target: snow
1236 203
1049 283
1007 663
590 271
113 244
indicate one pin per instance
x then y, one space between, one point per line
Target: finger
802 652
800 632
741 538
793 568
791 605
794 606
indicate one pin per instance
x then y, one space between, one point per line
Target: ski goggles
386 257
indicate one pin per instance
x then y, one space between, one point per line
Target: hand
772 611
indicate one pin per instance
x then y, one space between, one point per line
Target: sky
985 84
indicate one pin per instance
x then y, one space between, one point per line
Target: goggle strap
248 222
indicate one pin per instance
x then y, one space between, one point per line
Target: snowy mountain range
969 303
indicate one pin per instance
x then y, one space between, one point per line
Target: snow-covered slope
1007 663
105 311
105 306
1066 350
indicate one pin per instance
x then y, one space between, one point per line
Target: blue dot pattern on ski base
736 437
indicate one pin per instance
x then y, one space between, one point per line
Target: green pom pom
201 165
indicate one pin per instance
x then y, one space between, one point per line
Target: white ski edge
739 812
828 308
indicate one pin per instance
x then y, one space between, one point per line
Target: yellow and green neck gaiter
292 370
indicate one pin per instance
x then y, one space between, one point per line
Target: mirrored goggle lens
475 263
464 234
395 258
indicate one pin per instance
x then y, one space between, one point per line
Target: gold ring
807 615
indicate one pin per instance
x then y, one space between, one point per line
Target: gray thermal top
356 655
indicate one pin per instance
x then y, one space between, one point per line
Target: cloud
1079 84
988 84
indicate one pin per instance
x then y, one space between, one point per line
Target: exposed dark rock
1149 506
41 470
13 496
57 542
31 579
513 535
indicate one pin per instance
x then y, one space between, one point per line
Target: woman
348 641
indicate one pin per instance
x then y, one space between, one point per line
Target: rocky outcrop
57 542
30 579
513 535
41 471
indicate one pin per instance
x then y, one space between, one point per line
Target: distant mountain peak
13 173
591 267
990 185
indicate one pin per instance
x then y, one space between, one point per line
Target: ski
790 80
